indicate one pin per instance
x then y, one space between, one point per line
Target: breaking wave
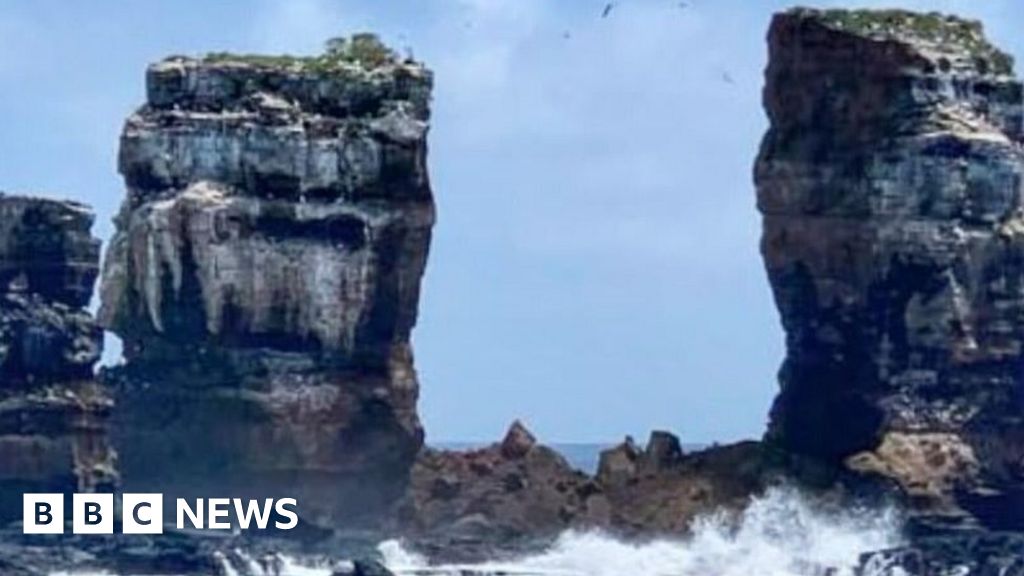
779 534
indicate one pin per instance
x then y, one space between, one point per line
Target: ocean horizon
584 456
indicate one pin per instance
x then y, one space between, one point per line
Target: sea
583 456
779 534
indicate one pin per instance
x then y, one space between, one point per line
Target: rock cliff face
265 276
890 182
52 413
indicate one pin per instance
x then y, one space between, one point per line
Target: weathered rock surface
265 277
46 248
890 182
53 415
654 491
511 495
517 495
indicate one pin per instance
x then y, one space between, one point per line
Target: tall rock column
890 182
53 415
265 277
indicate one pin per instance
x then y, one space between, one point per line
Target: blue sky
595 269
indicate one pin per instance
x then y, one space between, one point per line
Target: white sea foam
780 534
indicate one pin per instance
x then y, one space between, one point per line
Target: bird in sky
607 9
727 78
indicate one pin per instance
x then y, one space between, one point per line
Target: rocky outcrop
890 182
517 494
53 415
657 489
509 496
265 276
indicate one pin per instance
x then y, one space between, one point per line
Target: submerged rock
367 568
265 276
890 183
53 415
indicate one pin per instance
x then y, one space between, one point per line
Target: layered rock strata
890 183
265 277
53 415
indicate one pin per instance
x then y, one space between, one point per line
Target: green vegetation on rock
365 50
941 30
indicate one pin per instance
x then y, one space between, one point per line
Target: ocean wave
779 534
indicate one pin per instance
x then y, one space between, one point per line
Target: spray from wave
779 534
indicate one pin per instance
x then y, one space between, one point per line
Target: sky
595 268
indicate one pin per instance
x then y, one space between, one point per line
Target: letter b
43 513
93 514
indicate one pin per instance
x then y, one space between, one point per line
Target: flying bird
607 9
683 5
727 78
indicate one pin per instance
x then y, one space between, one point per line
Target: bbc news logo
144 513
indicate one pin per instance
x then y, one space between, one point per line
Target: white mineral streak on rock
324 289
265 275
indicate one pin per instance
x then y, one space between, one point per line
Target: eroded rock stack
53 415
890 182
265 277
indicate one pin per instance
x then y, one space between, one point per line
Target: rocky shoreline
265 277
